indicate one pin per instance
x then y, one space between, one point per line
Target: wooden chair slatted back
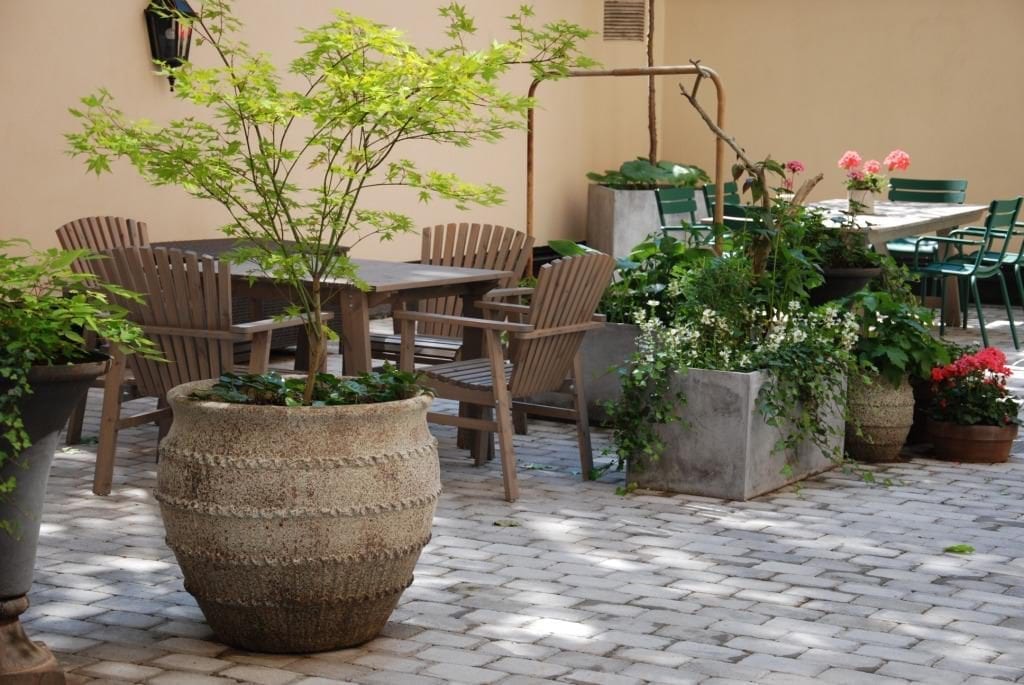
181 290
927 190
567 293
99 233
478 246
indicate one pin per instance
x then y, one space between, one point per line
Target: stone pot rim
69 373
1005 428
179 394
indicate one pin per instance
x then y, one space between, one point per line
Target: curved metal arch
694 69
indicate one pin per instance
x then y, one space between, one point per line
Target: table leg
355 331
481 443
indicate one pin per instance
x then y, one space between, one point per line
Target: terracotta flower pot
297 528
972 444
884 414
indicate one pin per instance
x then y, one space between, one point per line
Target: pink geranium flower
795 166
872 166
897 160
850 160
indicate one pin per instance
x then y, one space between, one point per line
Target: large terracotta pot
297 528
972 444
884 414
55 392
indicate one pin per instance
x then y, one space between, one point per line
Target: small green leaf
959 549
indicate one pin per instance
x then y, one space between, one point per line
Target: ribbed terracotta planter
972 444
297 528
884 414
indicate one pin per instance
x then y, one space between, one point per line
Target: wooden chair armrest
252 327
193 333
486 324
502 307
499 293
560 330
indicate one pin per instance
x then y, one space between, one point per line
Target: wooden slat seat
429 349
543 353
473 374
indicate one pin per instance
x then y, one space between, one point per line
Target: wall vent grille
624 20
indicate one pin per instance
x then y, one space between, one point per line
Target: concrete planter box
617 220
723 447
603 351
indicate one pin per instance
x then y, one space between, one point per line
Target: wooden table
388 283
893 220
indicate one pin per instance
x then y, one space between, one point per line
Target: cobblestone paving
833 582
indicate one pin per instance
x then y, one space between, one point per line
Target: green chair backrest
730 195
1002 215
927 190
675 202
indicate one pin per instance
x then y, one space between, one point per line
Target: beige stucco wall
808 79
55 51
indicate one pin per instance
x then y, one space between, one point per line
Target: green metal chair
1006 257
968 267
675 203
730 195
922 190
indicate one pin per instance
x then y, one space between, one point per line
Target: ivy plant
46 306
290 158
386 385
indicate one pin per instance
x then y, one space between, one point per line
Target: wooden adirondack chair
98 233
480 246
187 313
544 342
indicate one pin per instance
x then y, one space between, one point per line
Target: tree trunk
317 344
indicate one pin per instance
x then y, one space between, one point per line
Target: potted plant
846 259
45 370
343 471
741 394
894 345
864 181
974 416
622 209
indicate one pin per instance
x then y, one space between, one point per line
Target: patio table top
893 220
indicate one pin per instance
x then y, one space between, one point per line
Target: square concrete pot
618 220
722 447
603 351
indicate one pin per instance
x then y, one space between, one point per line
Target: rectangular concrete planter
723 447
603 351
618 220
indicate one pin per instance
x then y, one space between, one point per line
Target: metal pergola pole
696 70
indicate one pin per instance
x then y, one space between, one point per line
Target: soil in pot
297 528
972 444
883 413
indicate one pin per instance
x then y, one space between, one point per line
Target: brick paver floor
832 582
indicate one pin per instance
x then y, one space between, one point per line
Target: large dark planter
297 528
55 392
972 444
842 282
